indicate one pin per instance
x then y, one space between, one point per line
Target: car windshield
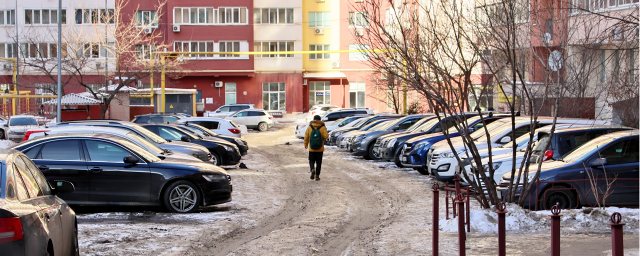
379 126
587 149
191 131
362 123
186 131
428 125
479 135
22 121
349 120
470 121
149 135
372 125
150 146
417 125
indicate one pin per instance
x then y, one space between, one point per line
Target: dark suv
157 118
565 140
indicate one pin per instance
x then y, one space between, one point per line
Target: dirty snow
6 143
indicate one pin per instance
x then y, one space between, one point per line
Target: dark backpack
315 140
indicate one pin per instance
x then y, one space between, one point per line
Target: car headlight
227 148
451 155
391 143
214 177
421 145
239 141
360 138
496 165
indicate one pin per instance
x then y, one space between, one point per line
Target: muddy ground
358 208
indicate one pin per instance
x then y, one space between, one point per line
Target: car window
45 189
172 119
21 189
10 189
209 124
346 114
142 119
100 151
224 109
22 121
61 150
30 183
621 153
253 113
262 113
234 124
148 145
156 120
204 130
148 134
242 114
237 108
169 134
361 112
407 124
33 152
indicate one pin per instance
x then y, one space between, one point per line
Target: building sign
209 100
323 93
276 114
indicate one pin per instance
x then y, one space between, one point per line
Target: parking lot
358 208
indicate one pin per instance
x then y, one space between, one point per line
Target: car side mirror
505 140
185 138
599 162
218 111
130 159
63 187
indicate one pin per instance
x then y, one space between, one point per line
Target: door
63 160
111 179
619 175
230 93
240 118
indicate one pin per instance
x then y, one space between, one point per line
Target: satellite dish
555 60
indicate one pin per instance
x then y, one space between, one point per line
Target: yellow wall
331 34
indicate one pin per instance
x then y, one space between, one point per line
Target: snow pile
6 143
519 220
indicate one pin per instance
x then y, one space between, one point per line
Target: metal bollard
617 248
555 230
462 236
434 232
456 180
501 209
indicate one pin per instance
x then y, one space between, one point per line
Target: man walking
314 141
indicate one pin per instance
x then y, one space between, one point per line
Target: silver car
17 126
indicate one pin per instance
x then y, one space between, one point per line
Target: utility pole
59 101
17 62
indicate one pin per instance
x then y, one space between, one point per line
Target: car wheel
396 160
182 196
262 127
422 170
563 198
216 159
2 134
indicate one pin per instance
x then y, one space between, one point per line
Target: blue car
610 159
413 153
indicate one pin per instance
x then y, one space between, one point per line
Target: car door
211 125
620 173
113 180
63 160
240 118
40 194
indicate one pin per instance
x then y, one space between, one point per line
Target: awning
115 86
74 99
324 75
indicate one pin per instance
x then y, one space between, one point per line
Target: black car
157 118
222 152
33 221
108 170
202 131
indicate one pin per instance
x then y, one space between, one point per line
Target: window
8 17
143 52
105 152
169 134
229 47
40 50
319 19
283 46
621 153
8 50
616 64
195 47
358 20
599 5
32 153
391 100
273 96
94 16
31 170
319 93
363 55
273 15
230 94
233 15
146 19
319 56
41 16
67 150
356 94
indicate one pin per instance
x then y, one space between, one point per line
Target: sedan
201 131
108 170
33 220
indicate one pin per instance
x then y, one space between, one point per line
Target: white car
217 125
320 109
253 119
18 125
301 129
128 135
227 110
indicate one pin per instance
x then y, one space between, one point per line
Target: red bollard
462 236
501 209
456 180
434 232
555 230
617 248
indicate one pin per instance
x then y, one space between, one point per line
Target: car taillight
235 131
547 155
270 117
26 135
10 229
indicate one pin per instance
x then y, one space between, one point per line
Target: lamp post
58 107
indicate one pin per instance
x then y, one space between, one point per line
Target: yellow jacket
323 131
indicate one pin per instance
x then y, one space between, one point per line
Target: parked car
108 170
346 139
345 122
201 131
333 135
568 182
124 134
363 144
33 220
197 151
222 152
219 126
227 110
157 118
253 118
18 126
3 121
320 109
336 114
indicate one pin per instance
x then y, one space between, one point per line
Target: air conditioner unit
319 31
148 31
359 32
218 84
304 81
617 34
546 38
335 64
176 28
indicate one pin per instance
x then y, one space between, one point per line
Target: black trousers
315 158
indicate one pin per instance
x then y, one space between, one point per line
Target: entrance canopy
74 99
324 75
